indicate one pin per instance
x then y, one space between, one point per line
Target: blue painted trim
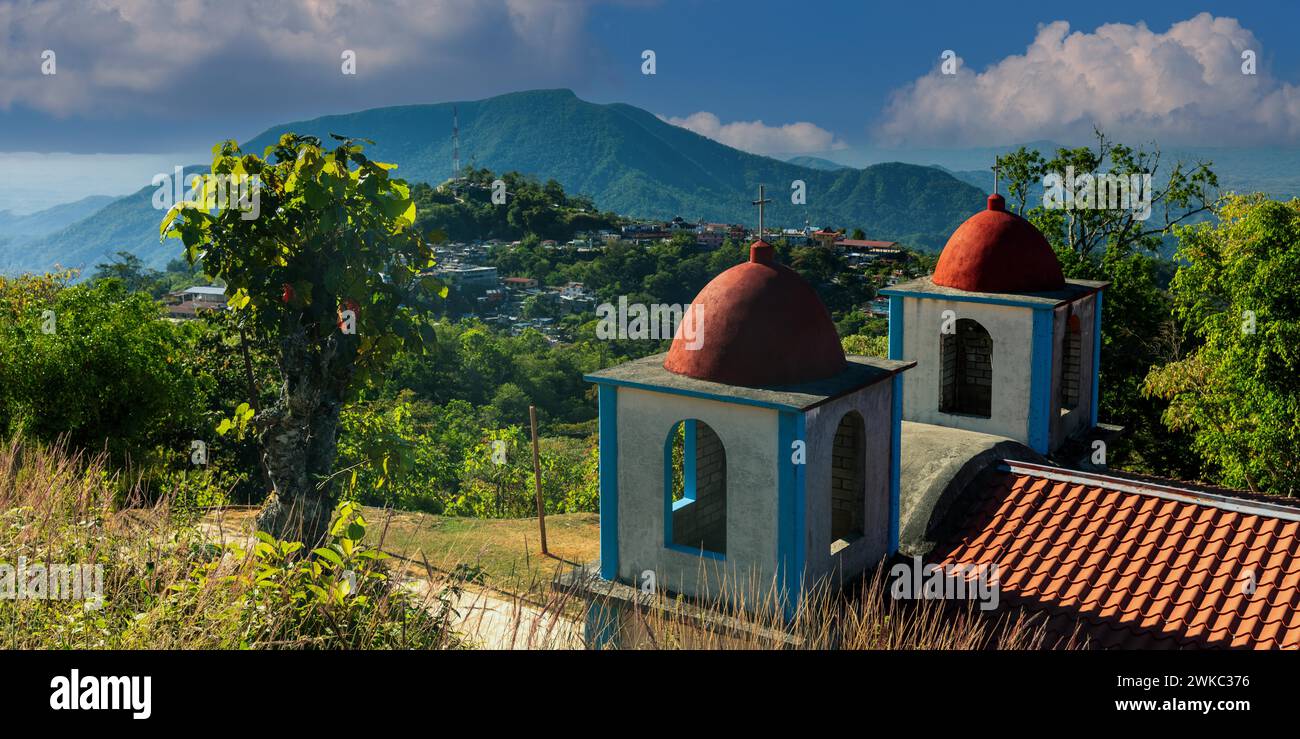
1040 383
688 461
1037 305
791 510
602 381
669 505
689 488
608 431
1096 357
896 327
895 461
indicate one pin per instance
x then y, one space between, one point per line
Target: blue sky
147 77
835 64
173 77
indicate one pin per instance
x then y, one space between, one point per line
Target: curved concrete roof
937 464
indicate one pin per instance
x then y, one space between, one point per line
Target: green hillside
625 158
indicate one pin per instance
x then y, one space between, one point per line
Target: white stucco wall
874 404
1010 327
749 436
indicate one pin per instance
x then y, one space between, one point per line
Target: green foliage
101 369
137 277
404 452
495 475
1236 393
465 212
473 363
334 231
414 455
337 596
192 490
866 346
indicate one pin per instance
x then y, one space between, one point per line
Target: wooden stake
537 478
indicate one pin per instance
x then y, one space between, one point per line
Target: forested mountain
624 158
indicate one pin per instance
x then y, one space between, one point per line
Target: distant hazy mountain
17 232
816 163
51 219
627 159
124 224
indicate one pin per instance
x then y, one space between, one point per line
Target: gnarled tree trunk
299 436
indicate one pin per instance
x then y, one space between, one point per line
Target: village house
188 303
519 283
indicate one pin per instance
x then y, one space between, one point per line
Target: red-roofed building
1116 562
800 464
826 237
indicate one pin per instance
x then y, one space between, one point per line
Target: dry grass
166 585
174 583
520 607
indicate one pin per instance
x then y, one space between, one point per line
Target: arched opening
1071 365
966 376
848 477
695 475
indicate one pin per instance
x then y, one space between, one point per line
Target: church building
758 453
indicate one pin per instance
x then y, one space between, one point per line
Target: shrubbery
100 368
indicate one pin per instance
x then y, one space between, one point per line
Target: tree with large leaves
1237 393
322 260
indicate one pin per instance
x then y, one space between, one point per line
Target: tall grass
167 585
739 614
173 581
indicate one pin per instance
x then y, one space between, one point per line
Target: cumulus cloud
1182 86
757 137
163 56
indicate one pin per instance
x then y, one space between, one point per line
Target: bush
99 367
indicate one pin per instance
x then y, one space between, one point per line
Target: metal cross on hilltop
760 203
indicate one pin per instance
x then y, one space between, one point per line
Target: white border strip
1155 490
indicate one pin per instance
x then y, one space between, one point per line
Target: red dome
761 324
998 252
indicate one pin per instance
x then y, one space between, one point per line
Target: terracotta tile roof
1132 563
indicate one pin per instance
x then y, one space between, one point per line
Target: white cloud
1182 86
160 56
757 137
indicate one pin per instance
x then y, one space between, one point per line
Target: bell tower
1004 344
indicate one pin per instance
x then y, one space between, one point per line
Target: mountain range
627 159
